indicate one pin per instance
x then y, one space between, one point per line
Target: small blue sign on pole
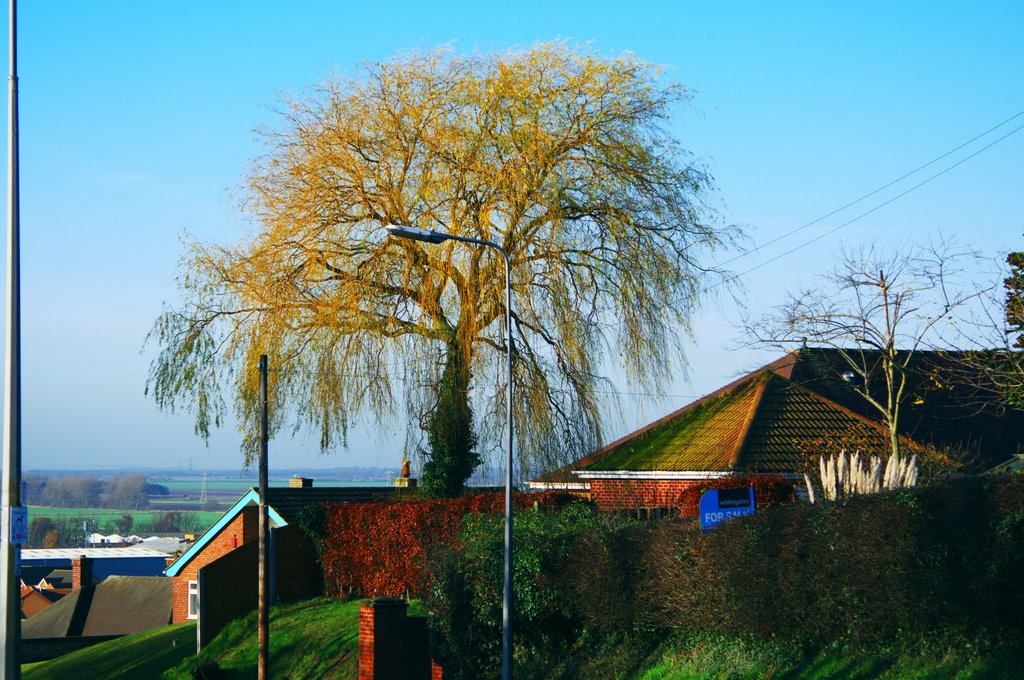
19 525
720 505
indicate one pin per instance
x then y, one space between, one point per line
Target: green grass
220 487
711 657
312 639
143 519
320 639
142 655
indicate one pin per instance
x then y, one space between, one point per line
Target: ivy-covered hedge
937 563
370 549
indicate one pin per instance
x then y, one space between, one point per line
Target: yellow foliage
555 152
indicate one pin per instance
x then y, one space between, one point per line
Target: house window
193 600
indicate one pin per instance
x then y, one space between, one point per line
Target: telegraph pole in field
264 528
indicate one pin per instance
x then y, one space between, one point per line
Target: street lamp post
429 236
10 590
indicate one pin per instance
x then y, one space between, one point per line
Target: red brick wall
241 530
634 494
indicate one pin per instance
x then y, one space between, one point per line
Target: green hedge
890 569
874 568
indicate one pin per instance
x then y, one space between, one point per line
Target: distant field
214 486
233 488
189 504
143 518
224 491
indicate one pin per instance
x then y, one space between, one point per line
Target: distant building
35 600
119 605
112 539
132 561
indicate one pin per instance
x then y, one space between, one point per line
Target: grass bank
142 655
312 639
714 657
320 639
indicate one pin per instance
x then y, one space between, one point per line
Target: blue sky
137 122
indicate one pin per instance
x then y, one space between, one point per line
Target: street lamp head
416 234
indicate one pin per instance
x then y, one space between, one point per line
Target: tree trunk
450 433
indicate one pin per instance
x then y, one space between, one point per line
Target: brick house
239 526
769 422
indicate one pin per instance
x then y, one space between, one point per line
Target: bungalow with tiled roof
767 422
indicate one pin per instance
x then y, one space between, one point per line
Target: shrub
895 568
467 597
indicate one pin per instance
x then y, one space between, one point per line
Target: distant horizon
352 473
214 472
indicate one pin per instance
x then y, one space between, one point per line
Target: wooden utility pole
264 573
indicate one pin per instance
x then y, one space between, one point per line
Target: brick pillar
391 646
81 571
366 642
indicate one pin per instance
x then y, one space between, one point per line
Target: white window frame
193 599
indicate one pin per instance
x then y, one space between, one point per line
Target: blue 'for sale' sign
719 505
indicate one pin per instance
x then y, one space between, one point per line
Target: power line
865 213
649 394
882 188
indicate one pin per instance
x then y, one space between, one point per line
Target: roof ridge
784 363
755 409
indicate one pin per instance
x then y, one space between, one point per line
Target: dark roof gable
289 502
117 606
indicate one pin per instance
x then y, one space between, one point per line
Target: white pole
10 594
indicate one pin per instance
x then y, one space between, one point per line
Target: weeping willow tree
561 155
